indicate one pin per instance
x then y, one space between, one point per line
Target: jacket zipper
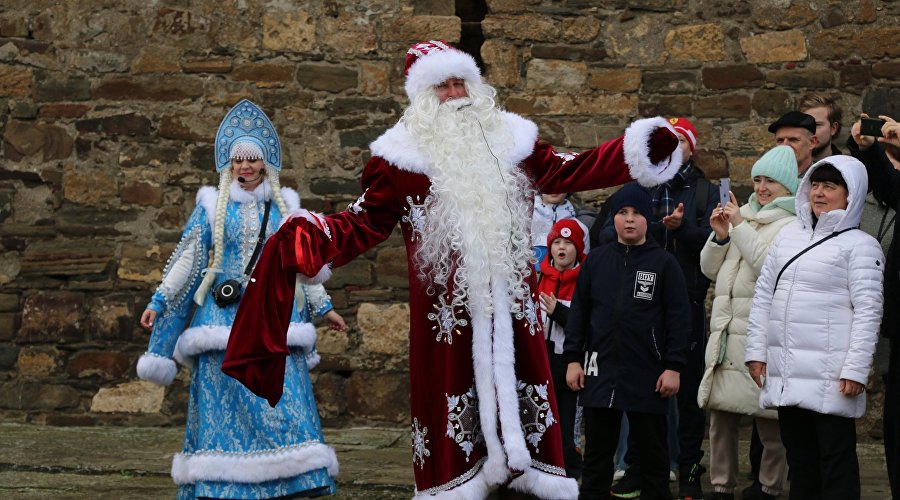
612 394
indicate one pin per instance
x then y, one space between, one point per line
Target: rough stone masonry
108 110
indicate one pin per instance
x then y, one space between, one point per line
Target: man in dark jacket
680 224
626 344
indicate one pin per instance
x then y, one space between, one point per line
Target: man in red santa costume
459 174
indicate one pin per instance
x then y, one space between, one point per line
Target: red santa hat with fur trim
433 62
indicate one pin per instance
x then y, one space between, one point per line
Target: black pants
567 404
892 418
601 430
821 453
691 420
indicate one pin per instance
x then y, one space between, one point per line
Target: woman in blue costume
235 444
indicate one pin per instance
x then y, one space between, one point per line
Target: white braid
218 237
276 191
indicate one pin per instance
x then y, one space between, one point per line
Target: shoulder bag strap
260 240
795 257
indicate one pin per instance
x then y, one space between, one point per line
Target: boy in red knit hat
566 244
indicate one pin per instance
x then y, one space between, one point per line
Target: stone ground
133 463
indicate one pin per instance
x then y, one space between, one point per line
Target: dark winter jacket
629 321
686 241
884 181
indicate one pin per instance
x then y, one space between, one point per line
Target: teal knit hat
780 164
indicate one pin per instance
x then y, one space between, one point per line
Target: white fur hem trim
200 339
254 467
322 276
476 487
544 485
157 369
436 67
637 153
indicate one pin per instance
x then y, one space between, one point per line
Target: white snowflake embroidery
527 310
356 206
447 322
419 442
536 414
567 157
415 217
463 424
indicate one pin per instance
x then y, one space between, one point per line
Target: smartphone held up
871 127
724 191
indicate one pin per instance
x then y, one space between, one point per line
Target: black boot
689 487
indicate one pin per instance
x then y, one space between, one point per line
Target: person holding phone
813 326
733 257
882 161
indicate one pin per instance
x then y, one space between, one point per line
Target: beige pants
723 453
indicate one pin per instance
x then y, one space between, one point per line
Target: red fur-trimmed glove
661 144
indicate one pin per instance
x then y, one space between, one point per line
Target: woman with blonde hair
235 445
733 257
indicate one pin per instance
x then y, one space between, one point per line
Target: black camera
227 292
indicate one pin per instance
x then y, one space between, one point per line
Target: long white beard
478 213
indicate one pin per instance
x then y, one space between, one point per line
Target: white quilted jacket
821 323
734 266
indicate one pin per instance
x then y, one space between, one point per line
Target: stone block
264 74
172 88
55 87
52 317
669 82
713 163
723 106
877 43
888 70
15 81
384 328
327 77
359 138
69 258
142 193
105 364
131 397
9 302
49 397
802 78
94 186
97 61
675 105
348 35
331 393
332 343
881 101
502 61
852 75
391 268
378 395
730 77
408 29
543 74
112 317
39 362
563 104
530 27
178 22
771 103
703 42
374 78
358 272
568 52
125 124
143 263
779 16
62 111
26 138
289 31
189 128
216 65
784 46
580 29
9 354
9 323
157 59
614 80
636 39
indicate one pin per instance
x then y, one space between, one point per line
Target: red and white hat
574 231
433 62
685 128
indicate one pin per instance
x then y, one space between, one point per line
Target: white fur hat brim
436 67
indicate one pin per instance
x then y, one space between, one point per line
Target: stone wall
108 110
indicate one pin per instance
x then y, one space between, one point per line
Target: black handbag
229 291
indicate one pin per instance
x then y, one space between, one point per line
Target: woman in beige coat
733 257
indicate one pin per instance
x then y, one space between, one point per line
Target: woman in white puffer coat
812 332
733 257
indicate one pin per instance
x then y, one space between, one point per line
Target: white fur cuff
637 153
322 276
157 369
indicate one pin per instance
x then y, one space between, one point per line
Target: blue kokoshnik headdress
247 123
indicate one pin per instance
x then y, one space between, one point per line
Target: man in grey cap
797 130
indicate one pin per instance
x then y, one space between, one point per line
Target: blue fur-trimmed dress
235 444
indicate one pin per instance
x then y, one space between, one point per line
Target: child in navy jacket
626 344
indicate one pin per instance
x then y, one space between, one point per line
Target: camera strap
260 240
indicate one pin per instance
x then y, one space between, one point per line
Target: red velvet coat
482 405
